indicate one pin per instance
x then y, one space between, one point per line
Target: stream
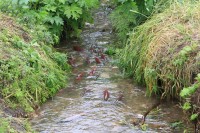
80 108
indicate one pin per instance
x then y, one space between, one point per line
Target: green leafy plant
161 56
190 105
184 54
5 126
186 106
62 18
176 124
110 51
193 117
11 125
130 13
30 72
123 19
188 91
144 127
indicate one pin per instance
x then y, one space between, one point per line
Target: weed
30 72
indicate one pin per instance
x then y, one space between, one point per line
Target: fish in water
106 95
97 60
99 51
92 72
92 48
103 56
88 60
79 76
77 48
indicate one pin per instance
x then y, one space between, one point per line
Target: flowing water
80 107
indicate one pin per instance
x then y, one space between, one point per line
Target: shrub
62 18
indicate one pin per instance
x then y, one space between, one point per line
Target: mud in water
80 107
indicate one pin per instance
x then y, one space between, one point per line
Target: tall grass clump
128 14
164 52
123 19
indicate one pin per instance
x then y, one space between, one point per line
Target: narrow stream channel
80 107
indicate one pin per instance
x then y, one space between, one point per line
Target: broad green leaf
58 20
67 11
187 91
51 21
76 11
186 106
73 11
50 8
62 1
187 48
193 117
144 127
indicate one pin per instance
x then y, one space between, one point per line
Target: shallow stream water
80 107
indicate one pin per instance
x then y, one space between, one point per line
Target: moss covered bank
31 71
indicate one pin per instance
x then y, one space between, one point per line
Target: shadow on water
80 107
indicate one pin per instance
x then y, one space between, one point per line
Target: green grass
163 53
14 125
30 70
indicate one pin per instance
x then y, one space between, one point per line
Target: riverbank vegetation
63 19
164 54
31 70
128 14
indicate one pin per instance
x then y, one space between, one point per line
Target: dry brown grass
164 52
